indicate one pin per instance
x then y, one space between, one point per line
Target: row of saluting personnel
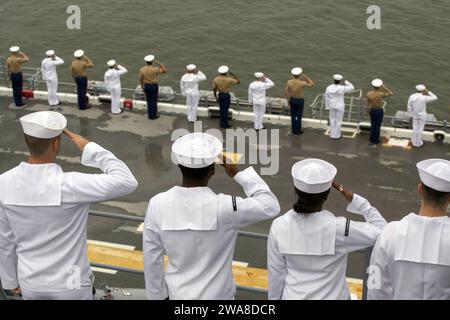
189 85
44 211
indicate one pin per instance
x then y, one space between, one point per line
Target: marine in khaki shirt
150 72
295 87
79 66
15 61
223 83
375 97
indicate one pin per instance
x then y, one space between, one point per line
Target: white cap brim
377 83
111 63
43 124
14 49
259 74
196 150
420 87
50 53
435 173
223 69
313 175
78 53
296 71
191 67
149 58
338 77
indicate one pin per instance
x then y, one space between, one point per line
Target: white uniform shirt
112 77
307 253
257 91
412 259
197 230
189 82
334 95
43 216
48 68
417 103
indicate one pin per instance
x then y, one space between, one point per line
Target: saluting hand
229 166
348 195
78 140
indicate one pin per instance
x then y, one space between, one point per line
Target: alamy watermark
73 22
253 147
374 20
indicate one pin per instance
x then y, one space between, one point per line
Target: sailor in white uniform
189 89
197 228
113 84
257 97
417 106
44 212
49 75
334 101
411 259
308 246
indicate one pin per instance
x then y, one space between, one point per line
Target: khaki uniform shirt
223 83
149 74
375 99
295 87
78 68
14 63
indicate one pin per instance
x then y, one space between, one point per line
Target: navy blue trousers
224 106
376 119
82 84
151 93
297 106
17 86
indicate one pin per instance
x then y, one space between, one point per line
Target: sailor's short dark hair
196 174
309 202
434 197
38 146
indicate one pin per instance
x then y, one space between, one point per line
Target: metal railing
252 235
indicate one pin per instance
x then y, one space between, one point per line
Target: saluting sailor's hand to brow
348 195
78 140
230 168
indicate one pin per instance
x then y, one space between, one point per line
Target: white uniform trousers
418 126
115 93
259 110
52 89
336 117
192 100
84 293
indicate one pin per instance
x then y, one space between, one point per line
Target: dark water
324 37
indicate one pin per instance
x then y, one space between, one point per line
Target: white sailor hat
111 63
191 67
377 83
49 53
313 175
196 150
78 53
223 69
259 74
14 49
43 124
149 58
435 173
338 77
420 87
297 71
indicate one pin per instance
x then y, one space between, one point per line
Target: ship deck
385 175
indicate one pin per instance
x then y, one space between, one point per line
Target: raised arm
89 63
388 91
352 235
162 67
276 265
260 204
431 97
309 82
348 86
8 260
24 57
115 181
235 77
200 76
153 249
